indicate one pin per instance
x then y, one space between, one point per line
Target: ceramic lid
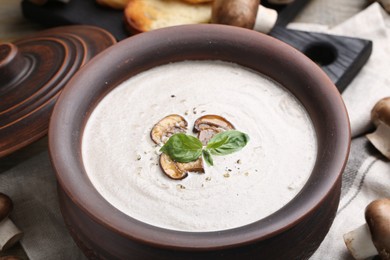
33 71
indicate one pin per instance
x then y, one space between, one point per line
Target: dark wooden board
77 12
286 13
340 57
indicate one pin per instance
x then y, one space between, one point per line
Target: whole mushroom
244 13
380 116
372 238
9 233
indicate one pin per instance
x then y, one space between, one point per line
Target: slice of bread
115 4
147 15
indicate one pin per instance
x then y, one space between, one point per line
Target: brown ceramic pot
293 232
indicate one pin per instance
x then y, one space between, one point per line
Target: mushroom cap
377 215
381 112
6 206
168 126
170 168
209 125
241 13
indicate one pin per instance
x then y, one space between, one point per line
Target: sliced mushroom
195 166
212 121
207 133
170 168
209 125
168 126
160 133
372 238
179 171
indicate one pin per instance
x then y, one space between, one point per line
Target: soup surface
122 161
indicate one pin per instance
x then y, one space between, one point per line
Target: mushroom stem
381 139
359 243
265 19
9 234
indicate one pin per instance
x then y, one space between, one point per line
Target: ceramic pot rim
199 42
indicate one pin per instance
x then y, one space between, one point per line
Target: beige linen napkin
367 176
373 81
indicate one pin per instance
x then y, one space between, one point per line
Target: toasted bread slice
147 15
197 1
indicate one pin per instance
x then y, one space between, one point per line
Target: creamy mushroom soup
122 161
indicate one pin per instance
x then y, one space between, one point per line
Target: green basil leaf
183 148
207 157
227 142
